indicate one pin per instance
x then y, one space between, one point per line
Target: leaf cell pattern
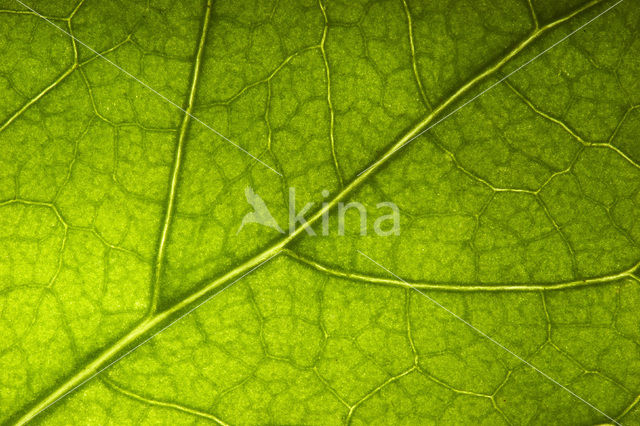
119 211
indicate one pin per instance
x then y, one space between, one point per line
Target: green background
119 212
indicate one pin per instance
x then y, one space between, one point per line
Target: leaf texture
507 133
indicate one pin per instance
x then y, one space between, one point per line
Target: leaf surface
505 132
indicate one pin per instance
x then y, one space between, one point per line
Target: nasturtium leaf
144 144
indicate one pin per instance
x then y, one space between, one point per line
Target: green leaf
132 290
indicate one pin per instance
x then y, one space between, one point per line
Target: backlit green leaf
144 144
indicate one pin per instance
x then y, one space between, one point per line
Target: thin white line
483 334
502 79
152 336
152 89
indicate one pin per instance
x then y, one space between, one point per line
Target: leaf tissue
320 212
